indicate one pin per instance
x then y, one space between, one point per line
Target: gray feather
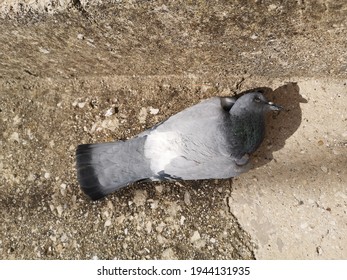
212 139
104 168
206 150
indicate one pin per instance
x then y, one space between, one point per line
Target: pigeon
210 140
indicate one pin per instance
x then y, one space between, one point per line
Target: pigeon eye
257 99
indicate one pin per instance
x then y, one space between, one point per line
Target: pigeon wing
192 144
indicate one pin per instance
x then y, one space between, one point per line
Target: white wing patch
161 148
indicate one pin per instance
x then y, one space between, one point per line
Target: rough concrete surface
75 72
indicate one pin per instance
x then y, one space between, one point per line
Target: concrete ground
75 72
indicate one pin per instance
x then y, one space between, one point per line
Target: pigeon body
212 139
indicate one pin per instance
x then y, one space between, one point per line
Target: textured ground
74 72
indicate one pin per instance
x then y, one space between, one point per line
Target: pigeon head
253 102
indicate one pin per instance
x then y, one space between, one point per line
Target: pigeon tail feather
106 167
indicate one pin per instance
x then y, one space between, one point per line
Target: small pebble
81 104
200 243
149 227
53 238
43 50
14 137
272 7
160 227
153 111
187 198
109 112
168 254
64 237
142 115
195 237
159 188
31 177
155 204
60 210
107 223
120 219
324 169
16 120
51 143
140 197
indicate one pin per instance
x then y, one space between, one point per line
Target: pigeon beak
274 107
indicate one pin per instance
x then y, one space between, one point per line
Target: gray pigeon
212 139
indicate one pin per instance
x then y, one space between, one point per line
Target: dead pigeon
210 140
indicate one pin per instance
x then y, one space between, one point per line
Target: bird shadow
279 125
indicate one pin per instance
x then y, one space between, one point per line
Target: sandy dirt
84 73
